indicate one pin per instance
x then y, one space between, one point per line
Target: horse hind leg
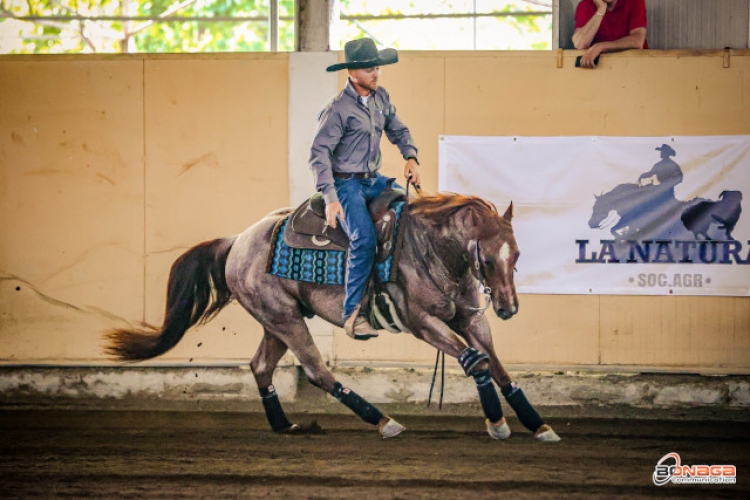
295 336
263 364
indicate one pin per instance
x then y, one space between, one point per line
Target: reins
418 189
442 380
479 274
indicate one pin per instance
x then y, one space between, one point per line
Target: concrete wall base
407 389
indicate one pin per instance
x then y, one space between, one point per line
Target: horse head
600 211
623 201
493 254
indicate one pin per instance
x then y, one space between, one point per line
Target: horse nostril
504 313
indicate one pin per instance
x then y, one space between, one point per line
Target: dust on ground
87 453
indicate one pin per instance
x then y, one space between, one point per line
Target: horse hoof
308 428
500 430
391 428
546 434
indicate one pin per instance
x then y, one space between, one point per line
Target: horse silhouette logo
649 210
698 218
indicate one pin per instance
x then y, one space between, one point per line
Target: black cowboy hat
362 53
666 148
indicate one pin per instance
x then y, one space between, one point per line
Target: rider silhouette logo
649 209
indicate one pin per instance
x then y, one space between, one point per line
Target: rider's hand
411 171
601 5
334 209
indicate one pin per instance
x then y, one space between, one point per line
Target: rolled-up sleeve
327 137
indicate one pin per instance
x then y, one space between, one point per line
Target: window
121 26
118 26
449 24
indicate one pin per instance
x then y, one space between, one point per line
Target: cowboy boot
358 327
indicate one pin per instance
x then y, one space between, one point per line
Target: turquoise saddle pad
324 267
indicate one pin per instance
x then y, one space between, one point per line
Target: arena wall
111 166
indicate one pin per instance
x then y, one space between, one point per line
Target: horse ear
471 222
509 212
467 218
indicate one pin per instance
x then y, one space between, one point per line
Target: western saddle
308 227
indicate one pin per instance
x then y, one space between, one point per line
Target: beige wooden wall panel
71 205
216 162
676 331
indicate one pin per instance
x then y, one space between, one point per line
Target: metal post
315 20
475 24
556 25
273 25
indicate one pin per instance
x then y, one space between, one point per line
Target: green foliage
220 36
516 32
112 36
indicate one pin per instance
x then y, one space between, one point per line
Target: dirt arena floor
87 453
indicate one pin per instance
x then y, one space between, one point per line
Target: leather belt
355 175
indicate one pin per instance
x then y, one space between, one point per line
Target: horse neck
439 251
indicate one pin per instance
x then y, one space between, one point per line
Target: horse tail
196 292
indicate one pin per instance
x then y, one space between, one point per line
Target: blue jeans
355 195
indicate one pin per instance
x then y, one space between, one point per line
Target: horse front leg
475 363
477 331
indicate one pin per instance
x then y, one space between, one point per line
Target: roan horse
452 244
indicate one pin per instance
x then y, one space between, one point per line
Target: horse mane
620 189
445 205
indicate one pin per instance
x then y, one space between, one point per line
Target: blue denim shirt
348 137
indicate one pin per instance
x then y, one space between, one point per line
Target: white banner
615 215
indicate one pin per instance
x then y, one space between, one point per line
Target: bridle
478 271
476 268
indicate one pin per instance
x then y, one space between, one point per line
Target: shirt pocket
379 119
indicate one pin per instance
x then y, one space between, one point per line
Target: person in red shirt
609 26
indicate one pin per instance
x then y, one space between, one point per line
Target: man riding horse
455 250
345 159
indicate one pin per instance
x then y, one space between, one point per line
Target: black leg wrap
488 396
274 412
469 358
526 413
354 402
